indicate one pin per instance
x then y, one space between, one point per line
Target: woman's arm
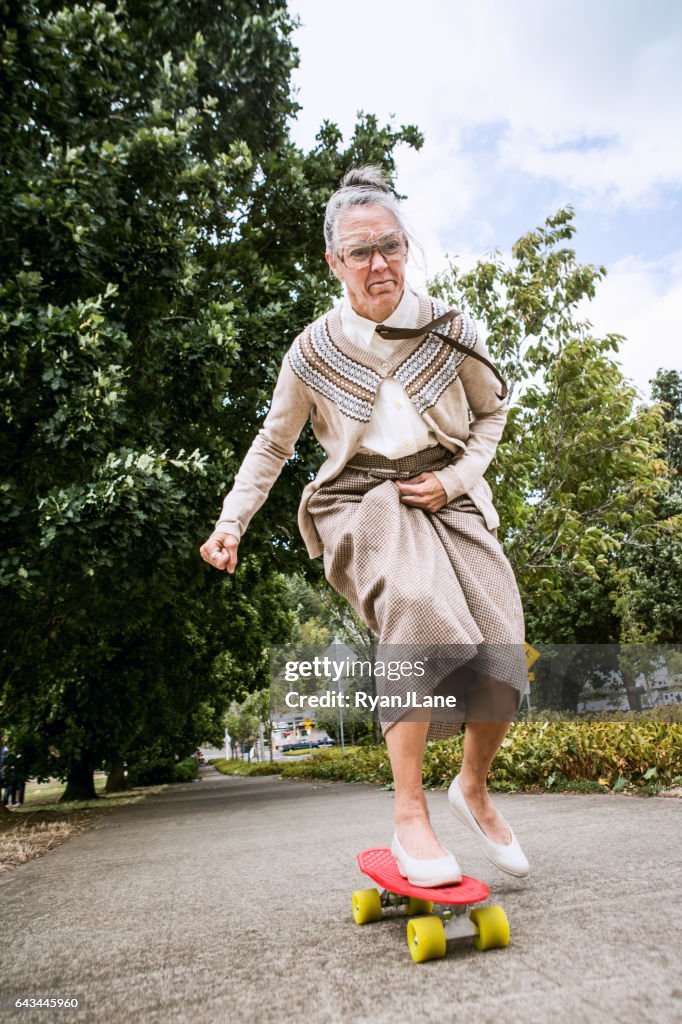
273 445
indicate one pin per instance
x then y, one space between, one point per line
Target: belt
433 457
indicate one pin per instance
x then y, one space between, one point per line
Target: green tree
242 726
579 476
161 247
666 388
324 617
648 583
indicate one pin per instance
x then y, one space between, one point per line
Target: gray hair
360 186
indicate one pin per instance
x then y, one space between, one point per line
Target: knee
490 700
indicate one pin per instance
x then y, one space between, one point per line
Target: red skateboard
446 908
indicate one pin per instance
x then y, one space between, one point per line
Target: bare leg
405 742
481 742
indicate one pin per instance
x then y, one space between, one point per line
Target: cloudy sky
526 106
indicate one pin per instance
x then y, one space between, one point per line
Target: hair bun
369 176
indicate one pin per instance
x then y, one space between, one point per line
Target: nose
378 262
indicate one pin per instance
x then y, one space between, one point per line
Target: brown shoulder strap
400 333
416 332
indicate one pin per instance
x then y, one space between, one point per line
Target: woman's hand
423 491
220 551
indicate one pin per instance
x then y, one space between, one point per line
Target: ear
332 264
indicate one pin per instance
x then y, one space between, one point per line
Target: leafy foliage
580 476
238 767
161 247
163 771
648 583
550 754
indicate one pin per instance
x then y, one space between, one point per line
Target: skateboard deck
426 935
380 865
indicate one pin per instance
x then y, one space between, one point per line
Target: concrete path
229 900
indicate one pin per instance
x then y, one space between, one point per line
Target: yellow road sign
531 655
308 724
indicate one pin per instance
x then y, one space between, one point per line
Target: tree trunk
80 781
116 780
634 698
632 691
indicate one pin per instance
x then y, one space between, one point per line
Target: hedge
645 755
162 770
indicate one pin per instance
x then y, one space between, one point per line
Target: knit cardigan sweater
327 377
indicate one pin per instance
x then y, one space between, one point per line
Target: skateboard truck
446 910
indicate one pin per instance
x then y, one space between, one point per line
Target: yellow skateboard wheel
416 906
493 928
426 938
366 905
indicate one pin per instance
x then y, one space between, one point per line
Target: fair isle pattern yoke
352 386
325 368
431 368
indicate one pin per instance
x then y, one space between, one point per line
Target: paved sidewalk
228 899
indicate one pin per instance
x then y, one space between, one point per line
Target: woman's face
374 291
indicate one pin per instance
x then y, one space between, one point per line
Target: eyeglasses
356 255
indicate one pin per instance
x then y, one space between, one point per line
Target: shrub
589 756
163 770
360 764
234 766
604 752
151 773
644 754
187 770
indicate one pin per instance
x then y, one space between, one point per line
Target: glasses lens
392 247
359 255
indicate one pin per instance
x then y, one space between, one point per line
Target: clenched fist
220 551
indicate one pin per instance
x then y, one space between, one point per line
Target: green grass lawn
41 796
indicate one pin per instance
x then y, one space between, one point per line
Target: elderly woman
409 410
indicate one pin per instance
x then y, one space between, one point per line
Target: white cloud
441 190
643 301
549 75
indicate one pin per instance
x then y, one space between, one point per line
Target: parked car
308 744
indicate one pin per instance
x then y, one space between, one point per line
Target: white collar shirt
395 428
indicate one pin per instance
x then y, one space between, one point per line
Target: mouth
380 284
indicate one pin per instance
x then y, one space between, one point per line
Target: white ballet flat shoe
426 873
507 857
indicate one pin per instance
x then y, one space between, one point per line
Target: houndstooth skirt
431 585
